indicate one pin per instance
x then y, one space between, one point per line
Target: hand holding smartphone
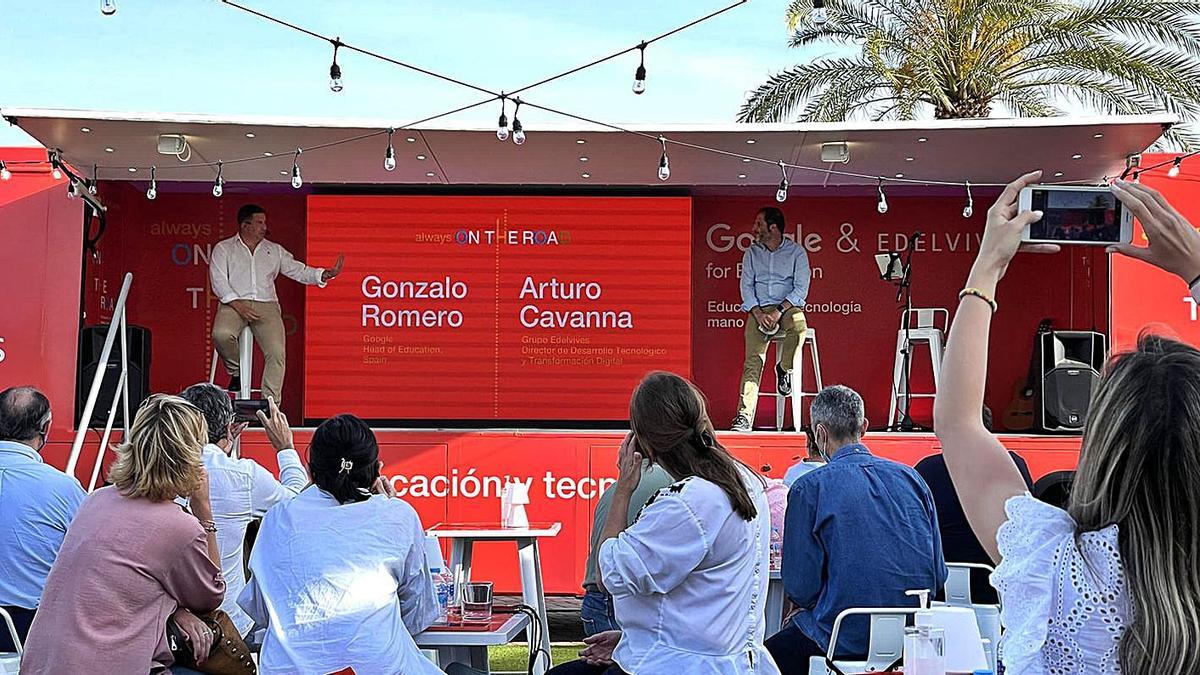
1075 215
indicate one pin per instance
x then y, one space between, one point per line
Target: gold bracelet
208 525
975 292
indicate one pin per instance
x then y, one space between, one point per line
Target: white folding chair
10 662
885 645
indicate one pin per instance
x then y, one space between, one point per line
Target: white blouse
341 585
1064 600
689 581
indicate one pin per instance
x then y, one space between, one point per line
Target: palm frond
777 98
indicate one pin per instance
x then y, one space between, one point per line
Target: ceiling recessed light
1097 135
745 160
133 169
750 141
899 175
741 175
1077 156
282 173
430 174
410 139
909 159
1058 174
109 150
583 159
421 157
249 134
268 154
86 130
586 175
580 141
922 139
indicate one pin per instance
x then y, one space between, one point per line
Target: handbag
229 654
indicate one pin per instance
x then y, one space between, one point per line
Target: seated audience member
241 490
133 557
859 533
597 613
689 576
812 460
1111 584
338 574
959 543
37 504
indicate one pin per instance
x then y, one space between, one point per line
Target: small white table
470 647
462 538
774 606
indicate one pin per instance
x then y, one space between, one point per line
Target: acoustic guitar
1019 415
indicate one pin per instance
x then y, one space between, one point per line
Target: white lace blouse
1064 601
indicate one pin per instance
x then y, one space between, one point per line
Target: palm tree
971 58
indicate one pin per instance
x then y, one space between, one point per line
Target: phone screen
1076 216
245 410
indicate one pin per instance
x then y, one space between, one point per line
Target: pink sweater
124 567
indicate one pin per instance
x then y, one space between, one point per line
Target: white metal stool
923 327
245 361
798 393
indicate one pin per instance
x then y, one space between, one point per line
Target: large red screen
495 308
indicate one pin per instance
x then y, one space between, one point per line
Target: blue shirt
770 277
37 504
858 533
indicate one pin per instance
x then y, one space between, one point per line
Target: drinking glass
477 602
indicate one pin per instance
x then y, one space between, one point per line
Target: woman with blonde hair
689 577
1112 584
133 558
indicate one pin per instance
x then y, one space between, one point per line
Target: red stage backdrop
495 308
1143 296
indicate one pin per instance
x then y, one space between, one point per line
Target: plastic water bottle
776 549
443 588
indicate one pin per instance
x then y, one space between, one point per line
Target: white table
470 647
774 606
462 538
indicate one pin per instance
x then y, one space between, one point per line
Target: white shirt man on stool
242 270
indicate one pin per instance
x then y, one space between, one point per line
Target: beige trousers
268 333
792 326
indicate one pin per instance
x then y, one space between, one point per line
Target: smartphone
1075 215
246 409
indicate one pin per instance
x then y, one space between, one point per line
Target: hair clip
347 465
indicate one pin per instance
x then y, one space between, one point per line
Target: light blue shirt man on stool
774 285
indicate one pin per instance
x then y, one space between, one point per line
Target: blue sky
202 56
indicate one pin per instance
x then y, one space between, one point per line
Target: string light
664 165
502 123
219 183
108 7
1174 170
819 14
518 130
639 76
969 209
781 194
389 157
1137 176
335 71
72 190
93 186
297 181
5 174
152 191
882 207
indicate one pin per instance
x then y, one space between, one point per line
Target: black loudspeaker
1070 371
91 343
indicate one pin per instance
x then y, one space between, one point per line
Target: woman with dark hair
339 574
689 577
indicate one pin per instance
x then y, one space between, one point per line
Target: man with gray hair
37 504
858 533
241 490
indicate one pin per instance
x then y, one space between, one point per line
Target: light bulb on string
664 165
518 130
297 181
93 185
389 157
781 194
639 76
502 123
219 183
5 174
882 206
969 209
108 7
335 71
819 13
73 189
1137 176
1173 172
152 191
